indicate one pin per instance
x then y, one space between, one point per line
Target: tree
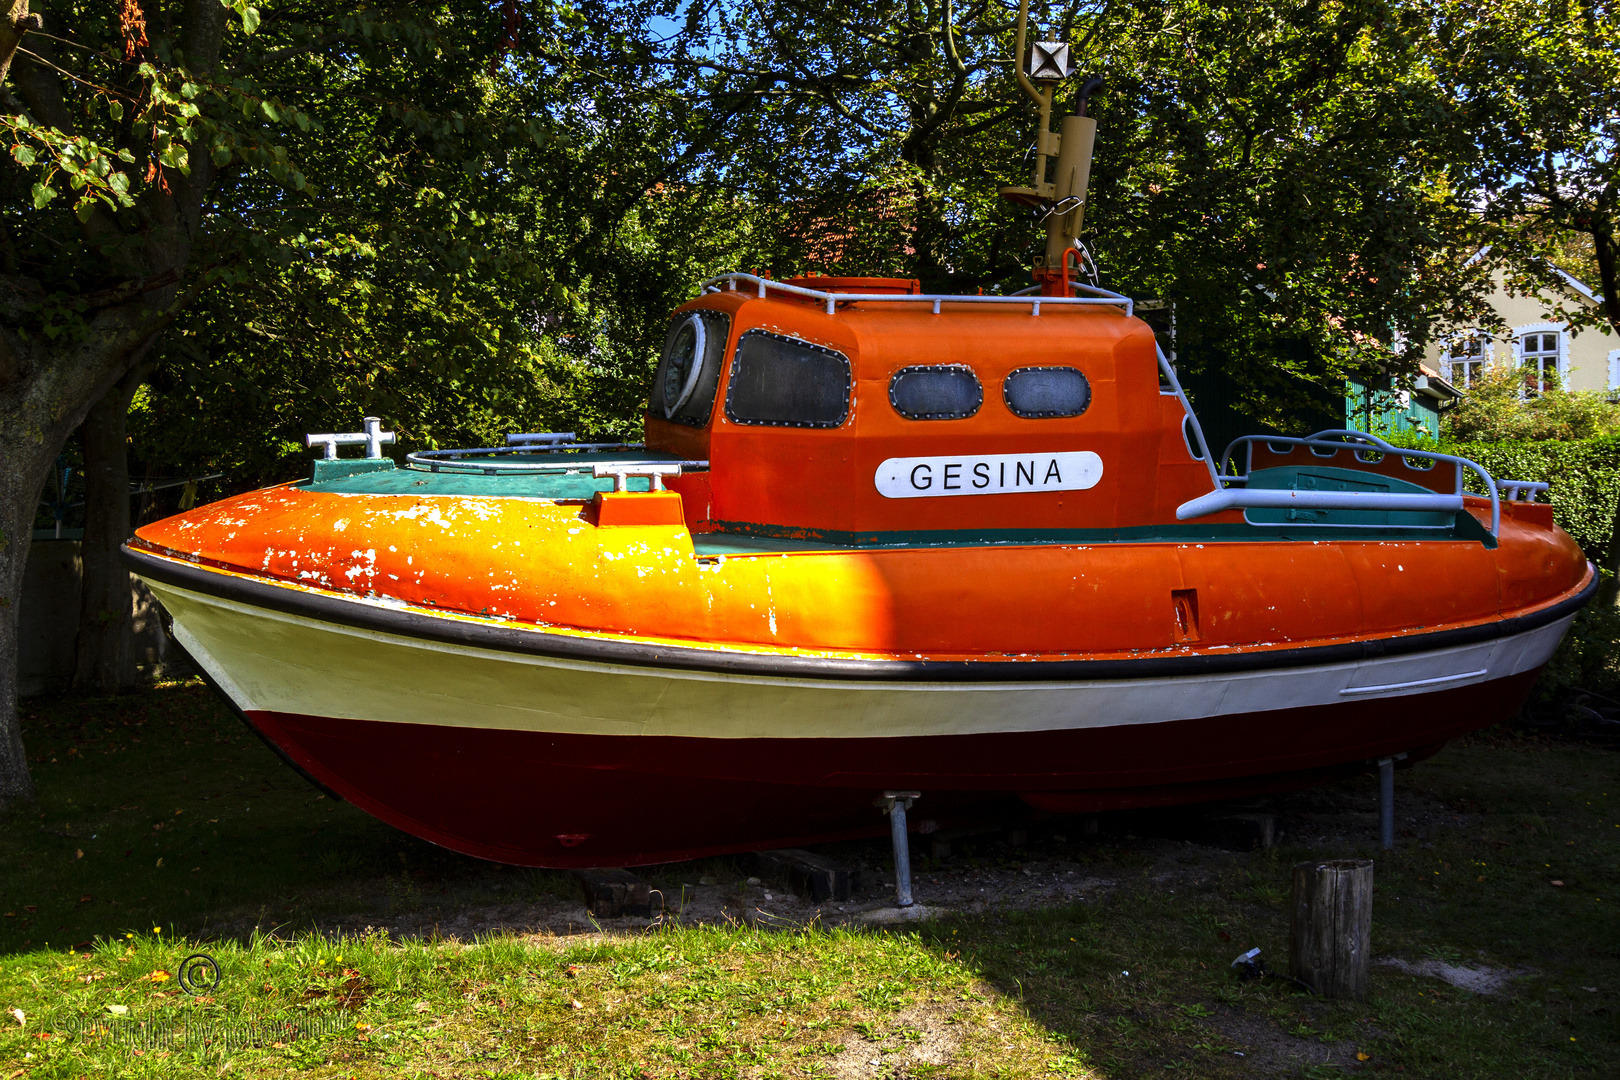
1537 84
389 174
1289 173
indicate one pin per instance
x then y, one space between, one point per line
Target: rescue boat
875 540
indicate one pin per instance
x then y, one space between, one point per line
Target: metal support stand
1386 801
895 804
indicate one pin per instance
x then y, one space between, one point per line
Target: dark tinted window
1042 393
946 392
683 388
786 382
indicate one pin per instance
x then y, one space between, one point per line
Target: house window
1614 370
1467 360
1538 355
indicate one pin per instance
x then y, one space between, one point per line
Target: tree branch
16 22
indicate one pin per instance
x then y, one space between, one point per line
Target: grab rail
622 471
1284 499
544 442
832 299
1346 439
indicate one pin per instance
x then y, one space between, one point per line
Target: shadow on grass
161 810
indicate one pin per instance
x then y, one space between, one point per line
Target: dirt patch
922 1035
1479 980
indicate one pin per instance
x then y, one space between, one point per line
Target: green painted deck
569 477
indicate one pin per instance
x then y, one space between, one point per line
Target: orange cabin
894 417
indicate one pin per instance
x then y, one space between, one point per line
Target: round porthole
683 364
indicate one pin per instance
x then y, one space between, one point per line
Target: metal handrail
1348 439
1512 488
541 438
1101 297
548 442
1169 372
1290 499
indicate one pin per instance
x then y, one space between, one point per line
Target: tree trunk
46 389
1330 932
28 465
102 662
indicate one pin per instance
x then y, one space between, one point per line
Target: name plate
987 474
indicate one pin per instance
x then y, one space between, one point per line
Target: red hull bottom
542 799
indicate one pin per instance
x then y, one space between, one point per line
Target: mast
1063 198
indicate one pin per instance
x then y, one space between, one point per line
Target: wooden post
1330 933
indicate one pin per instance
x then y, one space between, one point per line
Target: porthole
936 392
684 386
1046 393
785 382
683 363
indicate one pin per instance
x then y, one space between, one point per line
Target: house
1541 345
1378 407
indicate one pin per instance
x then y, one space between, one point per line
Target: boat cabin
856 408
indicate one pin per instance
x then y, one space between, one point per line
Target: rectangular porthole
937 392
785 382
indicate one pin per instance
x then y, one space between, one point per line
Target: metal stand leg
895 804
1386 803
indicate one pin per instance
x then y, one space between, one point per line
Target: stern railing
1232 492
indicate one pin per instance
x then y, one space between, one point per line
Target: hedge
1585 479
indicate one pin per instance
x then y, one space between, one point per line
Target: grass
164 827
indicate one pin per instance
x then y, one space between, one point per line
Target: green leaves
249 15
43 194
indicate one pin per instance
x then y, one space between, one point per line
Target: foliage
1538 84
1287 174
1498 409
1283 171
1585 479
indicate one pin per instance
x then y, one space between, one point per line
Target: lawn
164 828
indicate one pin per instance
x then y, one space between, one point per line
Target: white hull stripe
282 662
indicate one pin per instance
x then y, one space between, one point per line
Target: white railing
547 442
1099 297
1232 494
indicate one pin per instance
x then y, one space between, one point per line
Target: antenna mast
1063 198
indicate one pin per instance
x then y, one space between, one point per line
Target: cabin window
942 392
1045 393
786 382
683 388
